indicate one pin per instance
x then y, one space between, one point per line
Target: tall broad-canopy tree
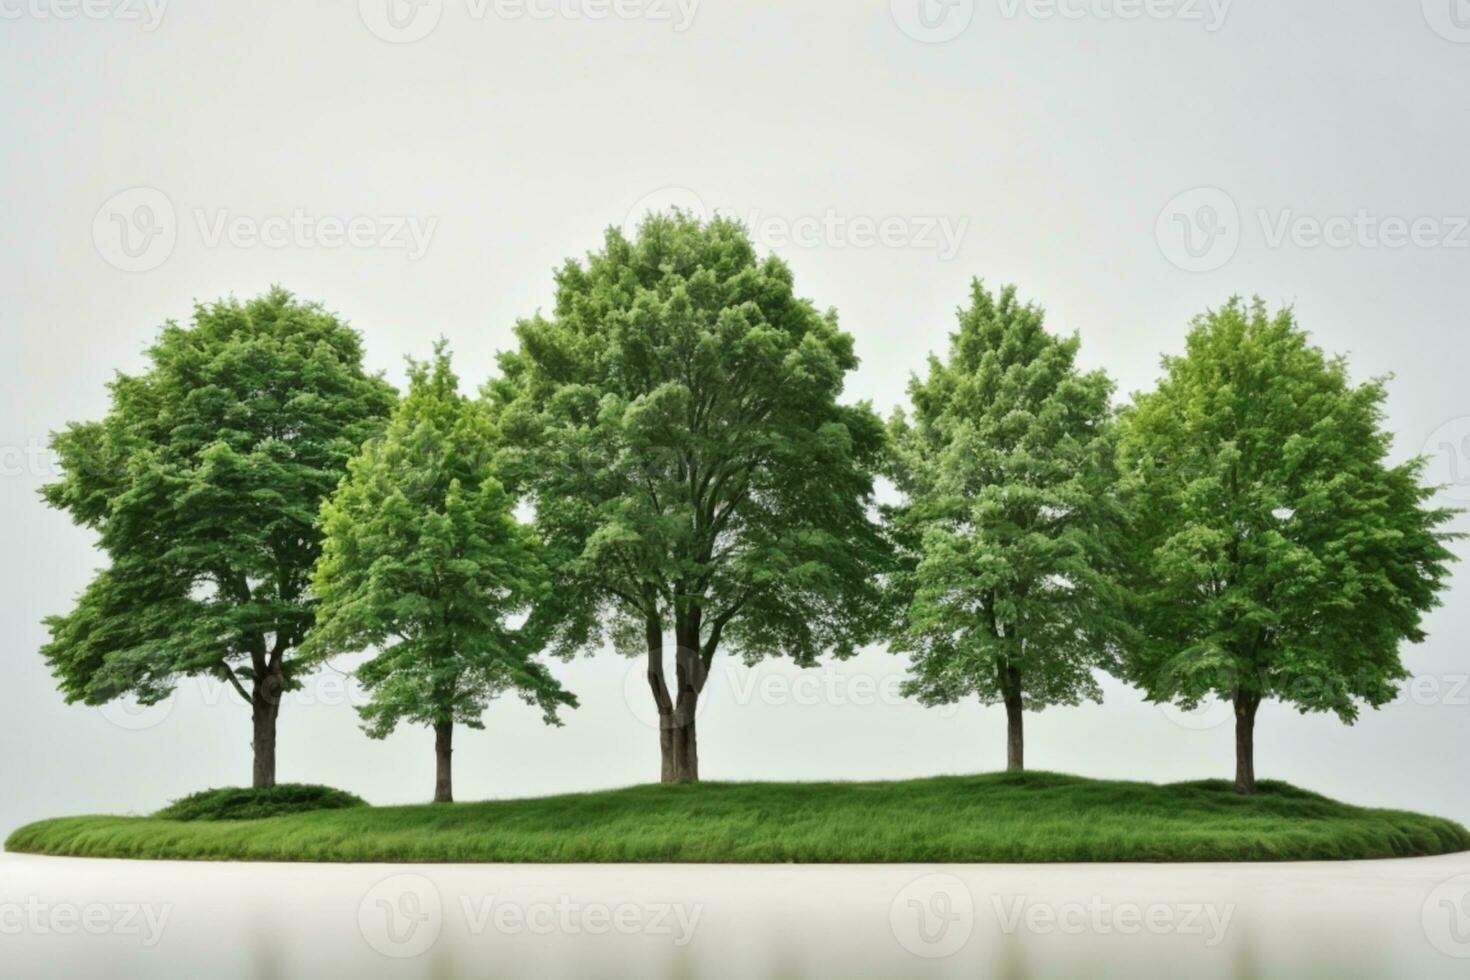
690 464
203 482
1005 532
1279 553
425 560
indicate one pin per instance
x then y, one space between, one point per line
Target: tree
203 482
690 464
1279 554
1004 531
425 559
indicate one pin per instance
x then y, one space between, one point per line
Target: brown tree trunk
654 637
685 754
1010 689
1015 734
689 675
677 738
443 752
265 706
1246 705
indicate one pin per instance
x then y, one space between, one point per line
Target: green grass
1032 817
257 804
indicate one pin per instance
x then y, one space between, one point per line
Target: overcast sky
422 169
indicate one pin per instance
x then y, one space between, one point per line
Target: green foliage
1278 553
257 804
1006 471
679 431
1033 817
425 559
203 482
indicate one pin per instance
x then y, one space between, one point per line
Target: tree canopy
1278 551
1008 515
203 482
424 559
690 462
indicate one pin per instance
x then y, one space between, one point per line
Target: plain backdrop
1062 141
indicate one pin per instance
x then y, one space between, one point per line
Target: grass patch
257 804
1031 817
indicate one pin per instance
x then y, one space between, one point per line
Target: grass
1031 817
257 804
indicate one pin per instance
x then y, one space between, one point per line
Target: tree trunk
689 674
677 739
265 705
1010 689
443 751
1246 705
1015 734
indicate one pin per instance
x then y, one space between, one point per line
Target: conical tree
1277 553
425 560
203 482
1005 466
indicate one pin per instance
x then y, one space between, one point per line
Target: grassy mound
257 804
1032 817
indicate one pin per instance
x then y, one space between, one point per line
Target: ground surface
1036 817
182 920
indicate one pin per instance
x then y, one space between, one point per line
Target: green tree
1278 552
690 464
1006 473
425 560
203 482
